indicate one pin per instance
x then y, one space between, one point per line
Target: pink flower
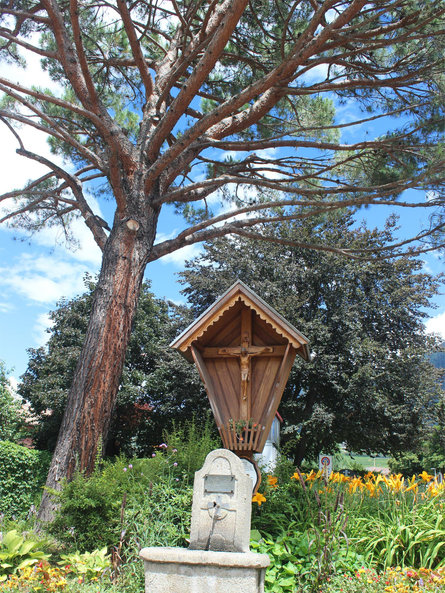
175 464
130 466
153 454
125 469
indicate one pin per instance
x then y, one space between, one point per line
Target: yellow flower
412 485
338 478
426 477
395 483
434 489
379 479
354 484
259 498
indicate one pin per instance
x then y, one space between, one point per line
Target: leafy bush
161 518
12 425
344 523
285 504
294 559
88 565
402 532
22 474
16 554
93 511
88 515
192 442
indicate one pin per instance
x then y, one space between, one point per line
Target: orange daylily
259 498
272 481
413 486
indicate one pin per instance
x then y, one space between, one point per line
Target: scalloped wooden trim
265 317
217 316
249 303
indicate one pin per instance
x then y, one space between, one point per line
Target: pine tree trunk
95 385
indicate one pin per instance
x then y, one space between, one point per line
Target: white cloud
316 74
18 168
180 256
349 113
436 325
41 325
432 195
267 153
32 74
43 279
13 385
331 15
87 250
6 307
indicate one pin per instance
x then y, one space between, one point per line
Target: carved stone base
178 570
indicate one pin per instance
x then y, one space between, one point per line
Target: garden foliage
148 499
17 554
394 580
358 534
11 418
22 474
347 523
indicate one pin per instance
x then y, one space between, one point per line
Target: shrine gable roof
239 295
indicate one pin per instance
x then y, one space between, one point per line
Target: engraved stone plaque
222 505
219 484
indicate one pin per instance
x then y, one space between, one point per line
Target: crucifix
245 351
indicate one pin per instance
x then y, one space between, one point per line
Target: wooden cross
245 351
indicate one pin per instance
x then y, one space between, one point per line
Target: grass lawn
367 461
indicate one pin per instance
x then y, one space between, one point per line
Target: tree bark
93 394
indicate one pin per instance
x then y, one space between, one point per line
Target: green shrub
16 554
22 474
294 561
191 443
402 532
285 504
88 565
160 518
89 515
12 423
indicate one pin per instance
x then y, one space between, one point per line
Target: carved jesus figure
245 353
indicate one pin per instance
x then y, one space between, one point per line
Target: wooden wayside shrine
244 351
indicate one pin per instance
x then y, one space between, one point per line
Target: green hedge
22 474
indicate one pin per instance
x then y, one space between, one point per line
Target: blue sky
36 273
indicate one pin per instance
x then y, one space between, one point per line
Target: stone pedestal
177 570
218 560
222 504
